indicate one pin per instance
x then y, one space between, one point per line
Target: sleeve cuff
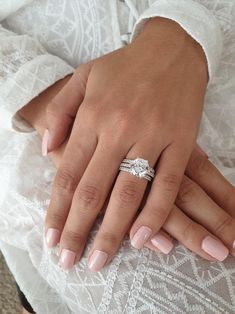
196 20
29 81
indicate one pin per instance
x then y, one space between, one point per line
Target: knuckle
65 180
72 237
55 219
110 238
223 224
128 192
79 78
89 195
90 108
188 190
171 181
190 233
121 114
52 107
157 214
122 120
199 166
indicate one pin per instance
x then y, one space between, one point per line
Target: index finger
63 108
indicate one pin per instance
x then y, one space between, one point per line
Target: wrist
164 30
166 39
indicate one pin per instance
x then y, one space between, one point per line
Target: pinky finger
194 236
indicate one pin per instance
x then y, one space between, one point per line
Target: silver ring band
138 167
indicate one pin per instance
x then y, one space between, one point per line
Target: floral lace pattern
135 281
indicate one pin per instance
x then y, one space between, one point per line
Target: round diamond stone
139 167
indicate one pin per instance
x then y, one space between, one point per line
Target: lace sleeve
26 69
206 21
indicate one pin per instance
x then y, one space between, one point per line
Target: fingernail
52 237
233 252
45 141
151 247
162 243
67 259
97 260
215 248
201 151
141 236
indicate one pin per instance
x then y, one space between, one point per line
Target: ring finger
125 199
208 177
200 207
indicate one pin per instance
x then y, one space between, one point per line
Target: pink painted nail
233 251
141 237
201 151
151 247
162 243
97 260
52 237
45 141
67 259
215 248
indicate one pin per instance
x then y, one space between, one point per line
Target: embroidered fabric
42 41
26 69
133 16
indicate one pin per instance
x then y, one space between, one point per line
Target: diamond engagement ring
138 167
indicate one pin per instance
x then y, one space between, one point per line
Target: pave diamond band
138 167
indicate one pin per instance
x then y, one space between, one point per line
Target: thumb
63 108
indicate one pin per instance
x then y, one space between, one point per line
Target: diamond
139 167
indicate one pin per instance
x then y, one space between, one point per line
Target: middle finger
88 200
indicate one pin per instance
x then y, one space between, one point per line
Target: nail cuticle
162 243
215 248
67 259
141 237
97 260
45 141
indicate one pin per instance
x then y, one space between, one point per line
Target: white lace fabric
41 42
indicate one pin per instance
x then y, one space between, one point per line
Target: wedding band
138 167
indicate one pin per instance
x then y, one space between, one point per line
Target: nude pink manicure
52 237
162 243
97 260
67 259
215 248
45 141
233 252
141 237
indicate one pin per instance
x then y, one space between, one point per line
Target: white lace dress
41 41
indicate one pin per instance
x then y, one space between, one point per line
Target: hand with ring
138 101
